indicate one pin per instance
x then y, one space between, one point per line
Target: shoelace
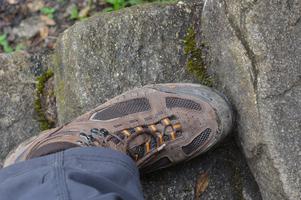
167 129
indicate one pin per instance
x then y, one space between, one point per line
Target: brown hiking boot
156 125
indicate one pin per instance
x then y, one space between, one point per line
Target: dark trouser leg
74 174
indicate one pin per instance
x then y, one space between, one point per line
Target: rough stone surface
229 177
17 85
111 53
255 55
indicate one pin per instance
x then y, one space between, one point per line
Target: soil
28 28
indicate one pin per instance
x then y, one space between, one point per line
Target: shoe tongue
139 140
137 146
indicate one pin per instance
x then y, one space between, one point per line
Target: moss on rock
195 58
41 80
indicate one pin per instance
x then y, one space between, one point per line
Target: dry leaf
12 1
47 20
84 12
44 32
201 185
35 5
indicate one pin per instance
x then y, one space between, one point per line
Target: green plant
135 2
49 11
165 1
116 5
20 47
5 45
74 15
119 4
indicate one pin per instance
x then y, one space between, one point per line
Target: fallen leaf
44 32
35 5
84 12
12 1
201 185
47 20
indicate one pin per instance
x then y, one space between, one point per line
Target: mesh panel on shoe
173 102
123 108
197 141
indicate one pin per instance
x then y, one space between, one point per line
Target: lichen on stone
40 84
195 58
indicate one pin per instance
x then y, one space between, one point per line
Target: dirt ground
34 25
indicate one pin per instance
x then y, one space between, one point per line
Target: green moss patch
195 59
40 85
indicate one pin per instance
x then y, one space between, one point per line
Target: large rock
255 55
111 53
17 86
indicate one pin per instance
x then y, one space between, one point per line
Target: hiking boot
156 125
